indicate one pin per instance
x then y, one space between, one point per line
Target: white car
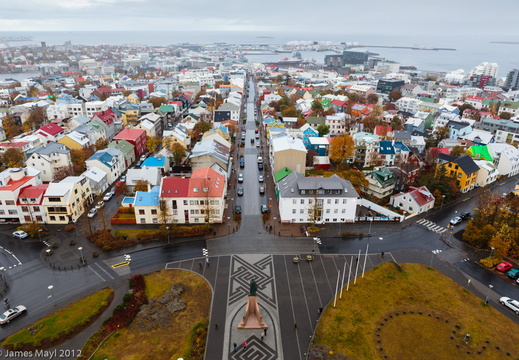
92 213
240 178
11 314
100 204
260 178
456 220
20 234
108 196
510 303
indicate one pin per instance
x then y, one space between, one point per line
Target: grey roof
401 134
467 164
291 185
49 148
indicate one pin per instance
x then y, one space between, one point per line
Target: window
302 201
27 218
39 219
185 202
143 220
329 201
344 201
153 211
343 211
336 201
52 218
54 199
25 208
294 201
12 212
335 211
61 218
141 212
155 221
327 211
9 202
293 211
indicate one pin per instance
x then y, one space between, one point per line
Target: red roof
421 195
339 103
129 134
174 187
13 185
14 144
206 178
106 116
51 129
33 192
382 130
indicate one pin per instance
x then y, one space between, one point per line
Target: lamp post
370 224
443 198
486 298
492 251
274 223
81 255
229 224
167 230
316 241
49 253
39 233
50 287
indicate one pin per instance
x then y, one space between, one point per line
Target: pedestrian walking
235 347
265 331
200 265
244 345
382 254
207 261
262 335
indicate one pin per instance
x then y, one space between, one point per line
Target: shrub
266 217
127 298
70 227
490 262
126 210
237 217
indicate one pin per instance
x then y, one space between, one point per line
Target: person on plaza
244 345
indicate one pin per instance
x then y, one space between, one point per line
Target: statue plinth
252 318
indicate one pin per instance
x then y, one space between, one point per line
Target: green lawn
61 322
380 315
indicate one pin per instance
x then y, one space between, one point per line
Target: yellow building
75 140
465 170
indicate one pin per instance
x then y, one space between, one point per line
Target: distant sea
470 50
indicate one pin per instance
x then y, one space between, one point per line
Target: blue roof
105 157
143 198
401 146
386 148
155 162
268 120
128 200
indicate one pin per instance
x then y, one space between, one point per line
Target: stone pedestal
252 318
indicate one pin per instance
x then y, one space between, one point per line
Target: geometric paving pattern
432 226
242 272
256 350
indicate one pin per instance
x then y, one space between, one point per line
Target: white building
12 182
485 68
48 158
64 202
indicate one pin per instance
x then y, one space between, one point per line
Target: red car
504 266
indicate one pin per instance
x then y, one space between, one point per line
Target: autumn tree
63 172
141 185
13 158
288 111
342 148
458 151
317 108
370 122
372 99
37 118
78 158
315 208
177 152
101 144
323 129
10 126
200 128
505 115
394 95
355 177
157 101
153 143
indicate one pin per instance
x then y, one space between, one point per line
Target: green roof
167 108
384 176
480 152
326 102
282 174
490 101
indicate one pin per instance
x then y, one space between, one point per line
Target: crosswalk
432 226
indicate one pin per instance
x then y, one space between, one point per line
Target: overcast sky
456 17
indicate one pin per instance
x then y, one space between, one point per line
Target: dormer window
195 190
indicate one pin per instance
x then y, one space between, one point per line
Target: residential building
12 182
127 149
179 135
512 81
75 140
136 137
110 160
159 162
464 170
487 173
30 204
206 153
316 199
150 175
308 132
227 111
64 202
415 201
286 151
98 180
147 206
48 158
195 200
366 148
381 183
50 132
385 86
505 157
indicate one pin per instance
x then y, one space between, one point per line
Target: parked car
240 191
510 303
11 314
262 190
261 178
100 204
20 234
465 215
143 157
108 196
513 274
240 178
264 209
455 221
138 164
303 229
237 209
260 166
92 213
260 159
256 131
504 266
258 144
123 178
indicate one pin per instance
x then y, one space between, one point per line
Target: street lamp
81 255
49 253
492 251
274 223
370 224
39 233
229 224
443 198
167 229
316 241
50 287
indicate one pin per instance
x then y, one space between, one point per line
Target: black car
240 191
260 166
465 215
237 209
